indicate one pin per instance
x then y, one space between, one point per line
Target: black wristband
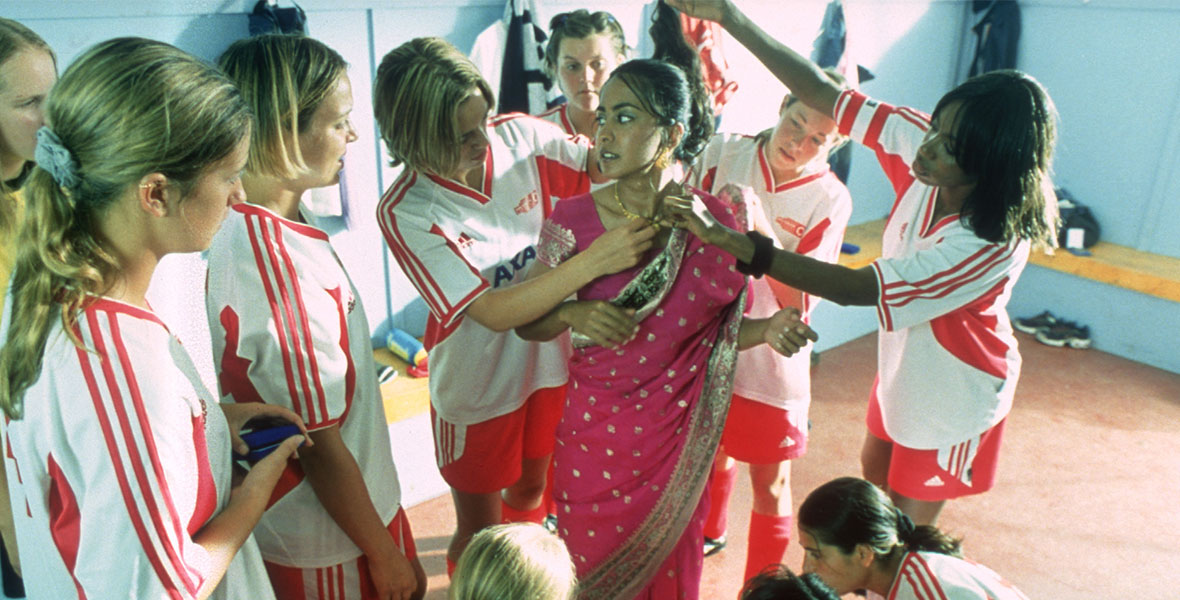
763 252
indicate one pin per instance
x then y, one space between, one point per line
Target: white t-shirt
947 358
121 457
455 243
933 576
807 215
288 329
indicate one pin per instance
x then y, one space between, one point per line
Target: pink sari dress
642 422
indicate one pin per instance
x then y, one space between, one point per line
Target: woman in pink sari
655 349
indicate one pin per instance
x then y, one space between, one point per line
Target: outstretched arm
840 284
804 78
784 331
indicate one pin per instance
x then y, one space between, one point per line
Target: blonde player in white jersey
794 198
463 221
28 69
973 195
583 49
119 458
289 329
854 538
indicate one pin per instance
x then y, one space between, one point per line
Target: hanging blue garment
830 50
997 35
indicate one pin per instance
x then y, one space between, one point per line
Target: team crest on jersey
464 241
505 273
528 203
791 226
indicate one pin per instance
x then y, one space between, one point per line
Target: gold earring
664 159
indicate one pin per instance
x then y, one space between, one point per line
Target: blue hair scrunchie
52 156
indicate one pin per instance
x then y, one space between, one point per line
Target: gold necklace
655 224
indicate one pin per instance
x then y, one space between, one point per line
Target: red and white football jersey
807 215
288 329
947 358
559 115
121 456
455 243
933 576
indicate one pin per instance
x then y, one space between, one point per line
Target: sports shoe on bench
1065 333
1031 325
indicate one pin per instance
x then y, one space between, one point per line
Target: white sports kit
288 329
121 457
455 243
808 216
946 347
933 576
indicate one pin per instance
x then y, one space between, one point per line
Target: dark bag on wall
269 18
1075 215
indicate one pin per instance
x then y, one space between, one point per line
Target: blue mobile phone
263 437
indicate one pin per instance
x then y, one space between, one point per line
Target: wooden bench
1112 264
405 396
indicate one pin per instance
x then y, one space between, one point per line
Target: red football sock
719 490
769 537
514 515
547 497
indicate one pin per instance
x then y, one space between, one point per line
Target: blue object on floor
847 248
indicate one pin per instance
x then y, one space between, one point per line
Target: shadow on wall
914 67
208 35
411 319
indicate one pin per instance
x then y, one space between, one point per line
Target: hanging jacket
997 35
509 54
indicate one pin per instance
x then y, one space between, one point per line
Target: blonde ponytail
126 108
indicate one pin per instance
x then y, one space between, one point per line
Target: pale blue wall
1109 64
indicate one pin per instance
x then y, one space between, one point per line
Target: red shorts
962 469
485 457
348 580
758 433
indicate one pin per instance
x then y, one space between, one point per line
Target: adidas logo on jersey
935 481
528 203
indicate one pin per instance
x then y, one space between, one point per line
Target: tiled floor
1085 505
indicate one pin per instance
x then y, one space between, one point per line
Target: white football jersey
947 358
559 115
933 576
807 215
455 243
121 456
288 329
